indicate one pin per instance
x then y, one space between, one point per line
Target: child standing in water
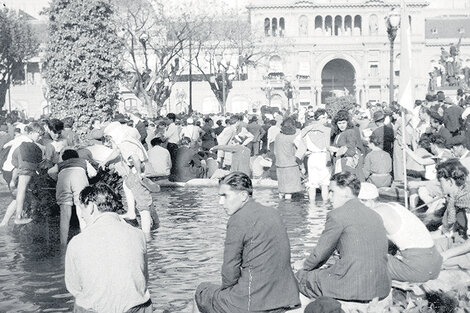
25 160
72 176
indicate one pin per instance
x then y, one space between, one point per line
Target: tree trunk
3 93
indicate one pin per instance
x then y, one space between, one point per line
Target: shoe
22 221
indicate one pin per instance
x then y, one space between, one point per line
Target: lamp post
268 89
392 22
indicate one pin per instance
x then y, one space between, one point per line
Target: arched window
328 25
318 22
348 25
373 25
282 27
358 25
338 25
275 64
303 26
274 26
267 26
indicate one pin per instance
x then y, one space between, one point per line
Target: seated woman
347 144
452 177
377 164
418 259
428 190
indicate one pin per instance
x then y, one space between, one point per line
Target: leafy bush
334 104
83 60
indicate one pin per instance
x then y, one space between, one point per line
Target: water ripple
186 250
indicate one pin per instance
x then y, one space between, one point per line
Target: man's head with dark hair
157 141
171 116
375 140
219 122
425 142
235 190
347 180
101 195
438 140
55 126
318 113
436 119
185 141
69 154
273 122
453 172
238 181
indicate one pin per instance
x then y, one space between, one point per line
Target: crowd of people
349 157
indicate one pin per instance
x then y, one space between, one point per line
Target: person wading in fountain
256 272
106 265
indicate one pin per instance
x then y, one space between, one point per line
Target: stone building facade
342 47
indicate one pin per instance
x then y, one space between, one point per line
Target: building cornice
310 4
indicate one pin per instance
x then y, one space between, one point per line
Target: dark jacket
360 273
187 165
257 273
453 118
386 136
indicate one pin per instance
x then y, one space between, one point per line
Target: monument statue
452 64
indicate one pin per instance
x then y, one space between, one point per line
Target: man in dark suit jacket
256 272
360 274
452 116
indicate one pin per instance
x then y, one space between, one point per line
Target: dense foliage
17 44
334 104
83 60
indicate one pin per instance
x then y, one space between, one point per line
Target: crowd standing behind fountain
356 152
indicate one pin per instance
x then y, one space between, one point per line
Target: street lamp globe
393 18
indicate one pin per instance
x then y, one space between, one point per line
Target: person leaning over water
106 265
358 234
256 272
418 259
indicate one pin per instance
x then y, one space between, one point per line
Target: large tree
83 60
154 44
17 44
228 33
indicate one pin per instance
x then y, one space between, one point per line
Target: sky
33 7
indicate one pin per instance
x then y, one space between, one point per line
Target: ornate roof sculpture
287 4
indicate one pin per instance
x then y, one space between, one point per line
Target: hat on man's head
378 115
324 305
368 191
190 120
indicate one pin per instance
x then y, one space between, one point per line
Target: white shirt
172 133
105 266
273 131
160 162
191 131
15 143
